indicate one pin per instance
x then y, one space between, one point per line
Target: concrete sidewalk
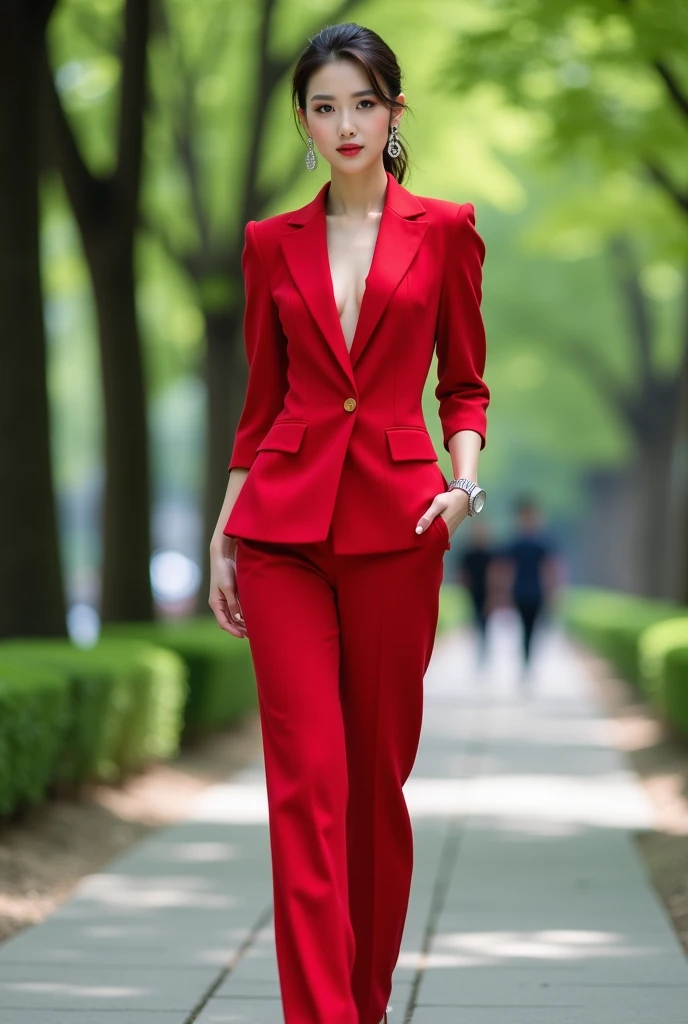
529 903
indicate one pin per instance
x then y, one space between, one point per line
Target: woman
328 552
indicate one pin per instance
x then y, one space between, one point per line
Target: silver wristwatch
476 494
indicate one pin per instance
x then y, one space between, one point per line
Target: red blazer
338 439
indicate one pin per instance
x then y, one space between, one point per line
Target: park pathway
530 904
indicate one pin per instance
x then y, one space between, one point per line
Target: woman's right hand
224 598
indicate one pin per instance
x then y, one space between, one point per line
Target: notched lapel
397 243
305 250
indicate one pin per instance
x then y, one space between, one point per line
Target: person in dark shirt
473 573
530 561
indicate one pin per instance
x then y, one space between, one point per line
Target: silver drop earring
311 158
393 147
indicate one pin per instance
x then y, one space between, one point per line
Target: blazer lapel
400 234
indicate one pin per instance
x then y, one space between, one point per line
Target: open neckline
332 297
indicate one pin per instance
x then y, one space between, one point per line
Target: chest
350 250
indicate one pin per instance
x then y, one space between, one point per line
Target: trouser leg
480 622
529 611
291 618
388 608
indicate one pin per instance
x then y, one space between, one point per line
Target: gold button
350 404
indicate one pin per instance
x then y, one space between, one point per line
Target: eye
323 105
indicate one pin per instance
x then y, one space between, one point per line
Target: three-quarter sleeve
266 352
461 391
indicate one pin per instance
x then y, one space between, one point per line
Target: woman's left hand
454 503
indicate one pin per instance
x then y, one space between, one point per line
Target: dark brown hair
349 41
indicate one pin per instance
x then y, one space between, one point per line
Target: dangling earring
393 147
311 158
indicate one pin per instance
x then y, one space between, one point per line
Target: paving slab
70 987
87 1016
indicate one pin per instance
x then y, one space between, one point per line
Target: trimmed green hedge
120 706
612 622
222 683
71 714
664 669
646 639
34 725
676 687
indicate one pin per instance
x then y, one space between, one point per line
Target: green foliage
34 727
124 703
647 641
613 622
676 687
595 73
221 681
663 661
69 714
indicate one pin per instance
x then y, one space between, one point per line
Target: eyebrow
327 96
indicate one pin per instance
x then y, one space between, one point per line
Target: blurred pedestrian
529 564
473 573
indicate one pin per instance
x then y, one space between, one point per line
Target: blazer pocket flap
285 436
410 443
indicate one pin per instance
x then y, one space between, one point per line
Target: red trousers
340 645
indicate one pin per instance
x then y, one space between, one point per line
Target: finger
223 604
234 608
425 520
224 621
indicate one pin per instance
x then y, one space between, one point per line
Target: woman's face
341 107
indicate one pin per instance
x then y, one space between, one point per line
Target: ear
304 122
399 113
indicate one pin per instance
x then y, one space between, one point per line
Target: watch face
479 501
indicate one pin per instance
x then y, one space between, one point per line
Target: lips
348 149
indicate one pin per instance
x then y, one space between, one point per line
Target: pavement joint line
456 829
251 937
447 863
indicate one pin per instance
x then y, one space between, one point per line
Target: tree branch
636 307
674 89
84 190
660 178
132 103
597 373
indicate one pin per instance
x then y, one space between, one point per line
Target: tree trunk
608 531
650 544
676 560
31 595
106 211
126 592
651 413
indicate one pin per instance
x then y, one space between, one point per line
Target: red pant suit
339 594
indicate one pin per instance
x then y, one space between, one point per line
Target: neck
357 195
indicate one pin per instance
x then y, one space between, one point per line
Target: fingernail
419 529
